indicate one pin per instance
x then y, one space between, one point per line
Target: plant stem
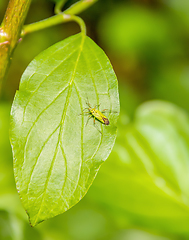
52 21
10 32
79 7
67 15
80 22
49 22
59 6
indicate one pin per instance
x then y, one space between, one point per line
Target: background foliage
141 192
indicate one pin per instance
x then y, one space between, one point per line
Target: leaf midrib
60 131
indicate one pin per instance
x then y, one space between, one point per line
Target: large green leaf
56 156
145 181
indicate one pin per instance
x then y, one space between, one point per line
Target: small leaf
56 156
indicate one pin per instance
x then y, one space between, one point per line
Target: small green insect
96 114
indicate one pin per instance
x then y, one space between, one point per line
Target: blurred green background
142 190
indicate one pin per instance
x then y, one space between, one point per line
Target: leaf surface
56 156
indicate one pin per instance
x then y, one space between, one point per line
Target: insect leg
84 109
103 111
83 113
109 111
96 126
88 119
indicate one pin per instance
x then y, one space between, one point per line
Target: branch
10 32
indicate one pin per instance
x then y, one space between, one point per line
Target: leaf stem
61 17
49 22
52 21
80 22
59 6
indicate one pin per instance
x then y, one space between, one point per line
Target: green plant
141 191
56 157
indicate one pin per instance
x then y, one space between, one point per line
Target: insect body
96 114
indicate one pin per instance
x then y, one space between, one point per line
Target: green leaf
145 181
56 156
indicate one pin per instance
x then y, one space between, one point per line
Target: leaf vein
30 178
62 122
77 184
27 136
104 76
59 49
93 80
47 180
44 81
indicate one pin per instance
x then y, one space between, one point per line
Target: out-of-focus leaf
135 31
146 179
14 228
135 234
9 200
4 137
175 78
58 1
9 227
181 8
56 156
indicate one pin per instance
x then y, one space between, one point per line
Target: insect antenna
87 102
98 105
